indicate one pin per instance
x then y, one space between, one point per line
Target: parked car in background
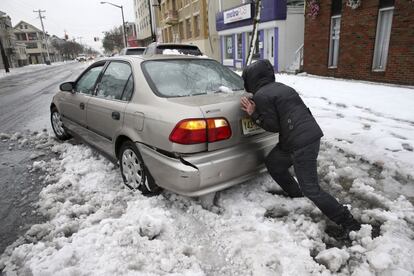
132 51
170 121
81 57
172 48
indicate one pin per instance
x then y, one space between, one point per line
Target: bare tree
69 49
113 40
253 41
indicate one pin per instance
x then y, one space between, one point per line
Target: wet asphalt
24 107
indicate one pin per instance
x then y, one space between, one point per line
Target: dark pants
305 165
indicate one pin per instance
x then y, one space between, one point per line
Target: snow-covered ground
97 227
29 68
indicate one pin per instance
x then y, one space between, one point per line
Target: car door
73 105
105 112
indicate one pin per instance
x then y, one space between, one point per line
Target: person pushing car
276 107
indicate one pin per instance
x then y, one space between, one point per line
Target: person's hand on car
247 105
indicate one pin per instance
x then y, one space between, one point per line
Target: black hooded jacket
279 108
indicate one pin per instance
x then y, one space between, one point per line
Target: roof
28 24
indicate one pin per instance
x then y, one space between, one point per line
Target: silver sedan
171 122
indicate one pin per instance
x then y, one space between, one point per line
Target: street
24 106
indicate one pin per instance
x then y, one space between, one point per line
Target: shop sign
237 14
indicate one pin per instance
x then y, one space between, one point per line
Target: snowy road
95 226
25 98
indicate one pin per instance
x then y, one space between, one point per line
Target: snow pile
97 227
226 89
177 52
172 52
333 258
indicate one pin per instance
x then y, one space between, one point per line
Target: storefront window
228 47
239 46
256 52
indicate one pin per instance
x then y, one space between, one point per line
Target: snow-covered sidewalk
372 120
97 227
30 68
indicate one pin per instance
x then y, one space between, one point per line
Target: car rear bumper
203 173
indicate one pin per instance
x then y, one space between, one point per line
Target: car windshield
138 51
187 77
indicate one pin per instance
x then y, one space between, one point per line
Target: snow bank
97 227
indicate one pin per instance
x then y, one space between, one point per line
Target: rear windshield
180 78
183 49
135 51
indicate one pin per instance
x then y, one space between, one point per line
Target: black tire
135 174
57 125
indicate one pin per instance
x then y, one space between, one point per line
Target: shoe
349 223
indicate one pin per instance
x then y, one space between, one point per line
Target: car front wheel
57 125
134 173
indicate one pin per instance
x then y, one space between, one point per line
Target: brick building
373 42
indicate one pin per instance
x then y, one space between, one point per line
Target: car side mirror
67 86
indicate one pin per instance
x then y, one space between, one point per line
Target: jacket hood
257 75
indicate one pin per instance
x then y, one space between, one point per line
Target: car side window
129 89
87 82
114 81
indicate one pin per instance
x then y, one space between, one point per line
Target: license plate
249 127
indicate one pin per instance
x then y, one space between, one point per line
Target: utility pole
44 35
123 20
81 44
254 38
153 36
4 57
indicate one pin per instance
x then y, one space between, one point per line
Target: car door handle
82 106
116 115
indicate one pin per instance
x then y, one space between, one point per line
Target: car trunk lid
223 105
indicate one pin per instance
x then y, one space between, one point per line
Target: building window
197 26
228 47
188 28
31 45
181 29
20 36
239 44
334 41
170 35
382 39
256 50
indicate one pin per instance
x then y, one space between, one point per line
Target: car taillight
218 129
196 131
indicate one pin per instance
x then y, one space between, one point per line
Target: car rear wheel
57 125
134 173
